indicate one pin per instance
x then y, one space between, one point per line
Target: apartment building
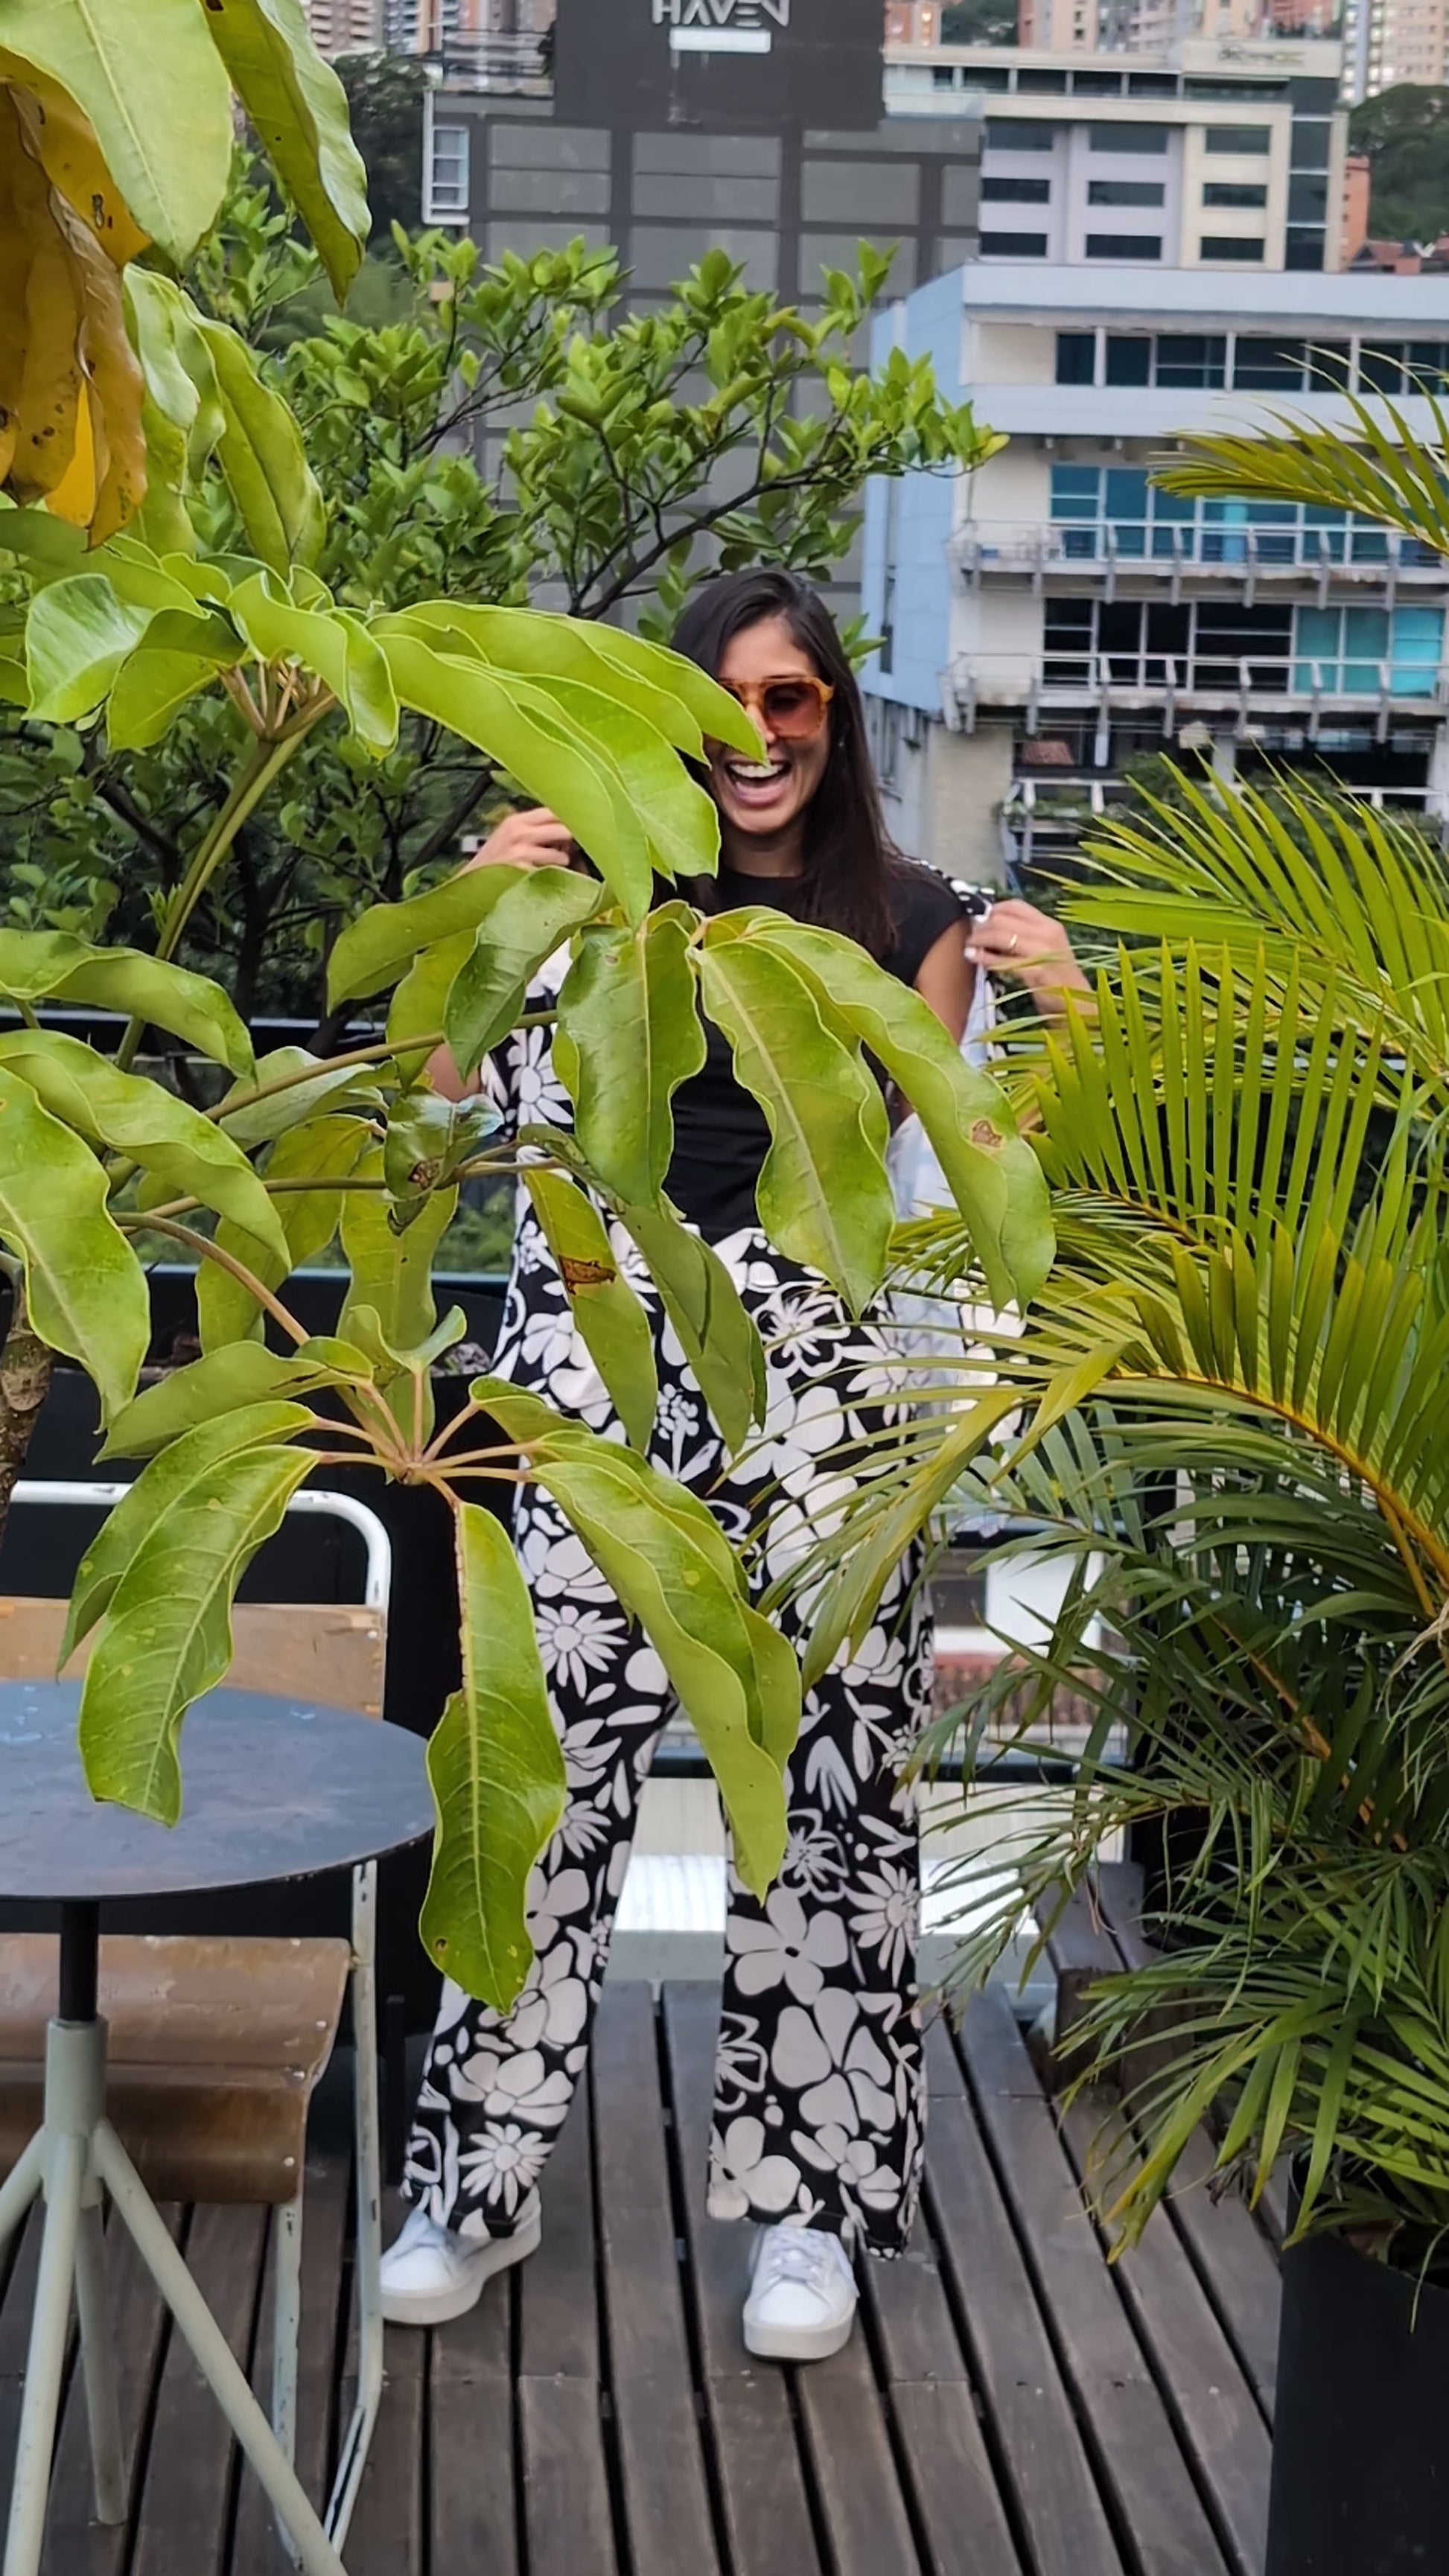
1388 41
345 26
1206 156
1056 614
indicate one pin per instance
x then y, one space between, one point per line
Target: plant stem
26 1364
206 1250
314 1072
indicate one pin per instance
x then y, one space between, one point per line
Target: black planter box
1361 2437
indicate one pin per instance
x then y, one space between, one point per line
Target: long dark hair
849 856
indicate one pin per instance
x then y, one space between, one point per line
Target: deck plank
861 2500
1210 2400
761 2476
1237 2263
1055 2494
666 2496
570 2527
949 2468
567 2511
324 2234
188 2481
1152 2490
472 2502
387 2528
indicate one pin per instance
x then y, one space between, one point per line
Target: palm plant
1226 1418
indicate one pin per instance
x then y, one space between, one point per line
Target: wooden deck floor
1012 2408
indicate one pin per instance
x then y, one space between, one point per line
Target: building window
1219 192
1355 652
1129 361
1125 192
1102 511
1128 138
1016 192
1124 246
447 188
1210 645
1230 246
1239 138
1191 359
1076 357
1013 245
1018 134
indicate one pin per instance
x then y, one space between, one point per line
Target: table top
272 1789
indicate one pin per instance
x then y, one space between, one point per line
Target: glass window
944 75
1417 651
1272 366
1016 192
1042 80
1018 134
1097 84
1013 245
1128 138
1191 358
1124 246
1427 367
1124 192
1219 192
448 173
1129 362
1076 357
1239 138
1152 84
1230 246
1381 370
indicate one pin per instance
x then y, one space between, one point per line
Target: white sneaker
801 2305
430 2275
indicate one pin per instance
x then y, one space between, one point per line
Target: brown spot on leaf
985 1135
586 1274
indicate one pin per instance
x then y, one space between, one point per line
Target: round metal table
273 1789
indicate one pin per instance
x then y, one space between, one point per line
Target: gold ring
1011 945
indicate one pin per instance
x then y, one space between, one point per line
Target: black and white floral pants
819 2099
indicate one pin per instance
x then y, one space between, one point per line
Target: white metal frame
352 2457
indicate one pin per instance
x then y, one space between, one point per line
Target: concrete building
1200 157
1055 615
1400 40
345 26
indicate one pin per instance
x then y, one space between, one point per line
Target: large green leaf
529 921
629 1011
823 1195
186 1153
85 1288
167 1635
681 701
498 1778
178 368
298 108
297 1097
54 966
428 1142
420 1000
261 454
659 1549
719 1340
524 733
156 94
180 657
391 1272
226 1381
373 950
171 1478
331 642
324 1149
612 1324
680 820
995 1177
77 635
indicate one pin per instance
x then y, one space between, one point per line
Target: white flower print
884 1914
790 1948
575 1639
743 2179
553 2007
508 2086
814 1862
854 2160
836 2066
502 2165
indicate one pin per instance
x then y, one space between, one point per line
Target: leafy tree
385 94
217 585
979 22
1405 132
505 436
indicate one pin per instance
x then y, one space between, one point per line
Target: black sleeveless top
721 1135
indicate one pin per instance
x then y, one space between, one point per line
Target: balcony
520 66
1293 554
1245 688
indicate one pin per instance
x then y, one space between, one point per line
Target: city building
1057 615
345 26
492 35
1388 41
1203 156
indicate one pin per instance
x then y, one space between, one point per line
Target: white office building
1055 614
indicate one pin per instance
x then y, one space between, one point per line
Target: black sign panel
722 65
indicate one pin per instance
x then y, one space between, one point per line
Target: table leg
98 2365
20 2187
45 2363
217 2362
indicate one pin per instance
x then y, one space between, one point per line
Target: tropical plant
255 1172
1223 1421
498 434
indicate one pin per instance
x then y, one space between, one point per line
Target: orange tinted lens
792 709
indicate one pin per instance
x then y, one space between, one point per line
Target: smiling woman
818 2122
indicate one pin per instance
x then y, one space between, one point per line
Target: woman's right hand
536 839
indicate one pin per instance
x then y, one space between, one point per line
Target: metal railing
1354 552
1239 685
521 64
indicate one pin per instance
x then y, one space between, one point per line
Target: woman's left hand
1014 939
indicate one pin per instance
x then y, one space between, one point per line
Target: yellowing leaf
155 95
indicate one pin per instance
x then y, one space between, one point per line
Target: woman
819 2096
